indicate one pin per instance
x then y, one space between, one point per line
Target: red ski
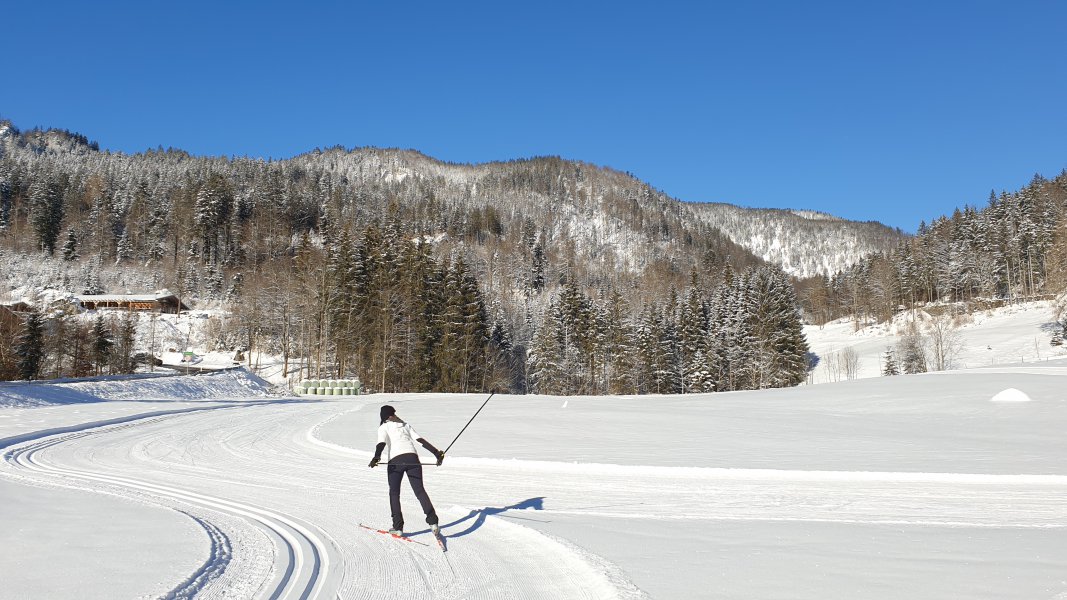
440 541
398 537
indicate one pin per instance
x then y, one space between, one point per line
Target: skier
398 439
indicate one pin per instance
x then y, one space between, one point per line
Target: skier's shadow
477 517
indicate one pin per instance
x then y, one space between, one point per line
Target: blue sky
896 111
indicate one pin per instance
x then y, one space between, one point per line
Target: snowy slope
803 243
223 384
903 487
1014 334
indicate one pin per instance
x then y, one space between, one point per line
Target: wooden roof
137 301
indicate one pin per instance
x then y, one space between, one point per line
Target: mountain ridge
770 235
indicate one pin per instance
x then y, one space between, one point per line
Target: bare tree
945 341
850 362
832 364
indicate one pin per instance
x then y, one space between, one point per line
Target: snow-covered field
897 487
1013 334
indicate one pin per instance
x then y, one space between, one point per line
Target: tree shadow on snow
476 518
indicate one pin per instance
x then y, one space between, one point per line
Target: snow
1008 335
802 243
915 486
1011 395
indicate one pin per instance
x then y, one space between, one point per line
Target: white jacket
399 439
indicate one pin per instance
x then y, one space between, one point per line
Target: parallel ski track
303 553
232 472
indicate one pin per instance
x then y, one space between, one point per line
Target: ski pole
469 422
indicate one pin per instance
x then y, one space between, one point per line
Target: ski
441 542
397 537
437 535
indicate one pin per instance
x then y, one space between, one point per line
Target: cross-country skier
398 439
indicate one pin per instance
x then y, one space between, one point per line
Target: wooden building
18 306
9 320
164 303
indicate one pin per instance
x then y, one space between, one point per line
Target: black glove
440 457
374 462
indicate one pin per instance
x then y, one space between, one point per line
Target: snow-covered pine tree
889 363
617 350
648 333
911 353
70 247
211 212
693 342
584 331
122 356
213 282
91 277
46 212
537 269
233 292
777 332
672 371
738 338
475 331
339 301
102 345
545 361
6 196
123 248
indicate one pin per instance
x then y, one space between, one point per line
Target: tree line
1015 247
60 344
746 333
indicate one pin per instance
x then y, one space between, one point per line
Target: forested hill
585 216
802 243
224 231
1013 247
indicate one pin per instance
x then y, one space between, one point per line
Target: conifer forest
542 275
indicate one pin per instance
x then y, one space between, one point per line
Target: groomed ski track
280 504
280 510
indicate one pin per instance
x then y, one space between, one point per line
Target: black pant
398 465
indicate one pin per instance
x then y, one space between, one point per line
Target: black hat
386 412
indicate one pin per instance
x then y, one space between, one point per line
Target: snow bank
1011 395
231 384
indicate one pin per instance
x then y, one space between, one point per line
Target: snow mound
1011 395
230 384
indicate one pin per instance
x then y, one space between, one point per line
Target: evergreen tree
91 278
213 282
233 292
30 347
617 351
123 248
102 344
211 212
693 344
78 351
46 212
123 348
537 271
6 198
912 355
737 339
654 369
778 331
546 357
889 363
70 247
